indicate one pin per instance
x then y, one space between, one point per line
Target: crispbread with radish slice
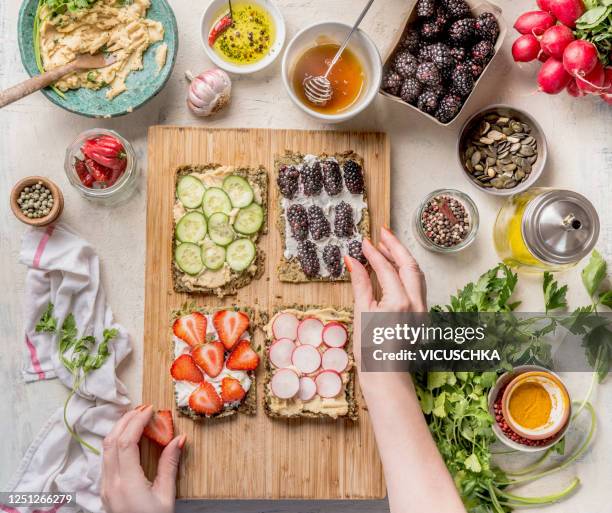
285 384
280 353
306 359
310 332
308 388
334 334
335 358
285 325
329 384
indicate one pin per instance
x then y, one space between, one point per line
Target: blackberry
475 68
427 73
428 102
487 27
332 260
425 8
391 82
287 180
459 53
457 9
463 81
332 178
482 52
462 31
449 108
298 221
355 251
318 223
431 29
442 18
411 90
405 64
307 256
353 177
438 90
440 55
343 220
312 178
411 40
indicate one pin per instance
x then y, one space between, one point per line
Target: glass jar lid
560 227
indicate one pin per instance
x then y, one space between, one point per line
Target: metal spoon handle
345 43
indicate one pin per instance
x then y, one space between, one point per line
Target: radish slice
334 334
285 384
280 353
335 358
329 384
306 358
285 326
310 332
308 388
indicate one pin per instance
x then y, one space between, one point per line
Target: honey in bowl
347 77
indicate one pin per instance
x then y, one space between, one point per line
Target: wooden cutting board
245 457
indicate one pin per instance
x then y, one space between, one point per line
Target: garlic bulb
209 92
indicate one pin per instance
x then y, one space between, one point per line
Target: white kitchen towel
63 269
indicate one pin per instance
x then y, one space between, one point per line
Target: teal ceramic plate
142 85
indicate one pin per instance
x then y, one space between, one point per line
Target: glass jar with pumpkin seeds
545 229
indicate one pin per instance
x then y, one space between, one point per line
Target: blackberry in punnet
405 64
463 81
307 256
442 17
459 53
457 9
353 177
392 82
356 251
425 8
487 27
482 52
312 179
318 223
475 68
428 102
287 181
332 178
298 221
411 41
332 260
462 31
411 90
427 73
431 29
440 55
344 226
449 108
438 90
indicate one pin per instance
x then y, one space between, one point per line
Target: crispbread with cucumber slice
217 228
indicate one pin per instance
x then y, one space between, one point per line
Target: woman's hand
125 489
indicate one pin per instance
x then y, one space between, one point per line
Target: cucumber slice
249 219
240 254
213 256
189 258
191 227
239 191
190 191
215 200
219 229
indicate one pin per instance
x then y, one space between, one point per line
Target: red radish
594 81
308 388
329 384
567 11
580 57
534 22
552 77
335 359
285 326
555 40
280 353
606 97
285 384
543 57
574 90
608 80
306 359
544 5
526 48
334 334
310 332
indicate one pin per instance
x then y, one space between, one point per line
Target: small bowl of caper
37 201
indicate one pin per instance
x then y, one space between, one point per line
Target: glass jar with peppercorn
101 165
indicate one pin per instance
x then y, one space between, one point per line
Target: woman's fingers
110 451
165 481
129 453
393 292
362 285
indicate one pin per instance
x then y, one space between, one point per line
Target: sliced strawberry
231 390
209 357
205 399
243 357
160 428
191 328
230 326
185 369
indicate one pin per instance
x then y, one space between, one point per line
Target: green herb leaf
594 273
554 297
47 323
605 298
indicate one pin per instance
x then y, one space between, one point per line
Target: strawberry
160 428
243 357
230 326
106 151
209 357
98 171
231 390
205 399
185 369
191 328
83 173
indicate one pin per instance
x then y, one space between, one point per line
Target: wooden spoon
83 61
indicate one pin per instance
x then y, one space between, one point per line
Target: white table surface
34 134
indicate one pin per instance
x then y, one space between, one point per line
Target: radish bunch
568 63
